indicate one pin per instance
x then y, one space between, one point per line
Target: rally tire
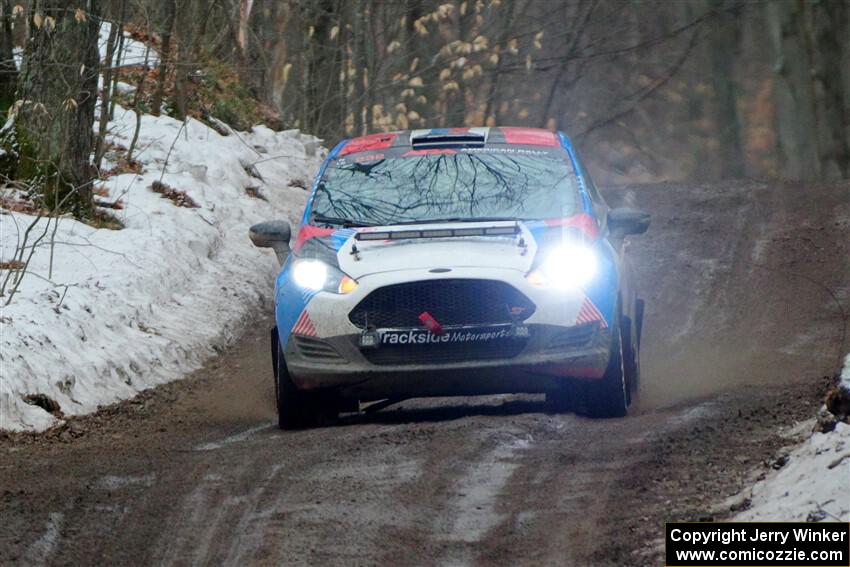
564 399
608 397
297 409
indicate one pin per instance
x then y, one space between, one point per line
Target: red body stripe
458 130
529 136
582 221
368 143
309 231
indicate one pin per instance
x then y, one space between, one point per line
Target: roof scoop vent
447 138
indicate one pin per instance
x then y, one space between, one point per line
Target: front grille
450 301
444 352
318 349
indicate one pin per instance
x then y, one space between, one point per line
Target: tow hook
523 247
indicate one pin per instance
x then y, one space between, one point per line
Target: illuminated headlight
569 266
316 275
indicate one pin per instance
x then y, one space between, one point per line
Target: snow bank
128 309
814 485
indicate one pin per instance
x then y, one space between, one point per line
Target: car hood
414 247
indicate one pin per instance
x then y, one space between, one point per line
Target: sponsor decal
425 337
505 150
368 157
429 152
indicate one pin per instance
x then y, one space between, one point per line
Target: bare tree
8 71
165 55
58 92
111 44
807 40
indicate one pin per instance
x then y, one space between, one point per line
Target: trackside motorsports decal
425 337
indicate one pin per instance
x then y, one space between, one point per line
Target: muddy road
740 331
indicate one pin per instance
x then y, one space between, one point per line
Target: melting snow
815 483
125 310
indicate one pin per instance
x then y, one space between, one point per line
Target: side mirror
625 221
274 235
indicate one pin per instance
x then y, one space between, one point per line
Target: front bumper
550 355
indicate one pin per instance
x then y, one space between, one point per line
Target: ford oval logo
439 270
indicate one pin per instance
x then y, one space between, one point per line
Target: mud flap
639 307
275 354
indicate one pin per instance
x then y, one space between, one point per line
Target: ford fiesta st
458 261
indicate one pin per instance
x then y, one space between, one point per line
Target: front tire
609 396
296 409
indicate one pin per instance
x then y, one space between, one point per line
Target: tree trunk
323 70
359 66
119 50
844 57
491 105
811 114
455 99
168 26
100 146
8 72
58 83
724 46
183 65
827 32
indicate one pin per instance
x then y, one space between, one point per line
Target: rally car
458 261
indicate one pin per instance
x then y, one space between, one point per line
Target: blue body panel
290 299
605 290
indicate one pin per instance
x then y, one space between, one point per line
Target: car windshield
440 187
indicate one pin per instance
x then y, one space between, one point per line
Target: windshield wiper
457 219
322 219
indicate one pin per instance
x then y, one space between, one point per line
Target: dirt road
740 332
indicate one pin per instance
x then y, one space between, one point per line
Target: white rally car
457 261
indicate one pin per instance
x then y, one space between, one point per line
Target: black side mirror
625 221
274 235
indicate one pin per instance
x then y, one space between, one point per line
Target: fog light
370 339
521 332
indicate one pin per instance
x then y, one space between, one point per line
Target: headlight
316 275
569 266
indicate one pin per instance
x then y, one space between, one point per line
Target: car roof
444 138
